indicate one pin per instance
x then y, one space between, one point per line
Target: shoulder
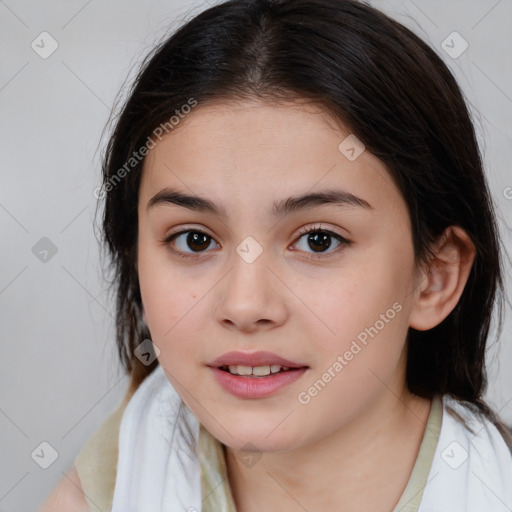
68 496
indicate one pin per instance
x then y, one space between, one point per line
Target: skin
364 425
68 495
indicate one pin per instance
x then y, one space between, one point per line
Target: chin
253 439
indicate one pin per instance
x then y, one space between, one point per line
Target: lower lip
256 387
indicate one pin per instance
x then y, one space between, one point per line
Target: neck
364 465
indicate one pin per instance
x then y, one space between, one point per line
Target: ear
444 279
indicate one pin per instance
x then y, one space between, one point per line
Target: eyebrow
280 208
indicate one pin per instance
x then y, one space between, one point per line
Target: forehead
250 151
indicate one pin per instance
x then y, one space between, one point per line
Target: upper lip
253 359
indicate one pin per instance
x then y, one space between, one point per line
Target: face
324 286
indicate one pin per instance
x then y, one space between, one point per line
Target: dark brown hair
394 93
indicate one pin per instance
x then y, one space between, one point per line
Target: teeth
258 371
244 370
261 370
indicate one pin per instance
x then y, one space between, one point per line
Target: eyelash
304 231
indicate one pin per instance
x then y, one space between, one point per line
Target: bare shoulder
67 496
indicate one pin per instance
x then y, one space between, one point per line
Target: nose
251 296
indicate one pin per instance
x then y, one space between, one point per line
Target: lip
256 387
253 359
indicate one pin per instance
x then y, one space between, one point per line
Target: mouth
255 375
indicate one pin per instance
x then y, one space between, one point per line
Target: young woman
298 219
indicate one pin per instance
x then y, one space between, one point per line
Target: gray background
59 376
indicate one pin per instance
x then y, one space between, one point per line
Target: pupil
194 238
319 238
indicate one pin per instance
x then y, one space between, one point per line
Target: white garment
469 473
150 476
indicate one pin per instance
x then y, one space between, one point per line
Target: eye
197 240
319 240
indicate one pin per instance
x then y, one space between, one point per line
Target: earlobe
444 279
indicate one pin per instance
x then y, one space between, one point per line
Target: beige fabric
97 463
411 497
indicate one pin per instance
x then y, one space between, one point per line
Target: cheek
363 359
167 296
366 310
178 315
356 299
